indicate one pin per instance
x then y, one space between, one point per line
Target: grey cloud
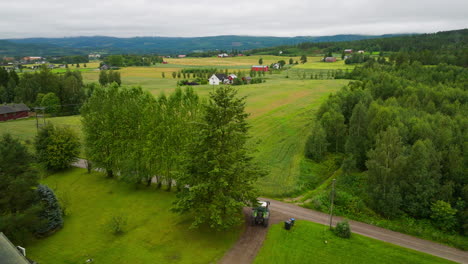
126 18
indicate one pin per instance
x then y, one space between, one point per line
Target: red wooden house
260 68
13 111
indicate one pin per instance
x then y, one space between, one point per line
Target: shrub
51 212
56 147
443 215
117 224
51 103
343 229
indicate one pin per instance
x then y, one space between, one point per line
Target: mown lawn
309 242
153 234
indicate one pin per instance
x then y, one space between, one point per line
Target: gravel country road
250 242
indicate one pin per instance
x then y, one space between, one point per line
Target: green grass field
305 243
153 234
316 63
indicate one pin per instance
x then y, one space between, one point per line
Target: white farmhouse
217 78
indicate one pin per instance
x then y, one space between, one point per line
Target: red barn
260 68
13 111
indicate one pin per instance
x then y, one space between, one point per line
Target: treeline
63 93
406 126
132 60
176 139
449 47
70 59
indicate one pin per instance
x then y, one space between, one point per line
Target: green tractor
261 214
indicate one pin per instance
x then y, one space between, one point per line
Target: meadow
153 234
309 242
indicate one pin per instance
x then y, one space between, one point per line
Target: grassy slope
154 234
305 243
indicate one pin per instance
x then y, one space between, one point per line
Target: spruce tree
221 173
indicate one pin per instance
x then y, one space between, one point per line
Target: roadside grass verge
309 242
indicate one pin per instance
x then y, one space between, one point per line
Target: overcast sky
189 18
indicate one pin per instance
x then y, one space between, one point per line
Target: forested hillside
160 45
450 47
404 126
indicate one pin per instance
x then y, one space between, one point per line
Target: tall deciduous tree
335 128
386 161
100 128
317 144
356 144
421 181
221 174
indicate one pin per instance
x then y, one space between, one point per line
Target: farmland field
281 110
230 61
309 242
153 234
316 63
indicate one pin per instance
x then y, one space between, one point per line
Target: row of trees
132 60
108 77
175 139
406 125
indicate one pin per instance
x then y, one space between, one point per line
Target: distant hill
454 41
159 45
9 48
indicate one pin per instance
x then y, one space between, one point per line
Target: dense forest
404 125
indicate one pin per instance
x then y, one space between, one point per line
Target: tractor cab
261 214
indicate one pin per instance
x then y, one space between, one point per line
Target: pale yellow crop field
229 61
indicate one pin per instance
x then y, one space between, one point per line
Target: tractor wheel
265 222
252 221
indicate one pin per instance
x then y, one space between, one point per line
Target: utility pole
331 205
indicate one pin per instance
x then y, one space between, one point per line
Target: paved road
246 248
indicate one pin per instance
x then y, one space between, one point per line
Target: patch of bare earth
246 248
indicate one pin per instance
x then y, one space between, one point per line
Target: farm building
259 68
32 58
348 51
181 56
276 66
94 56
218 78
11 254
164 62
13 111
330 59
247 79
223 55
360 51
